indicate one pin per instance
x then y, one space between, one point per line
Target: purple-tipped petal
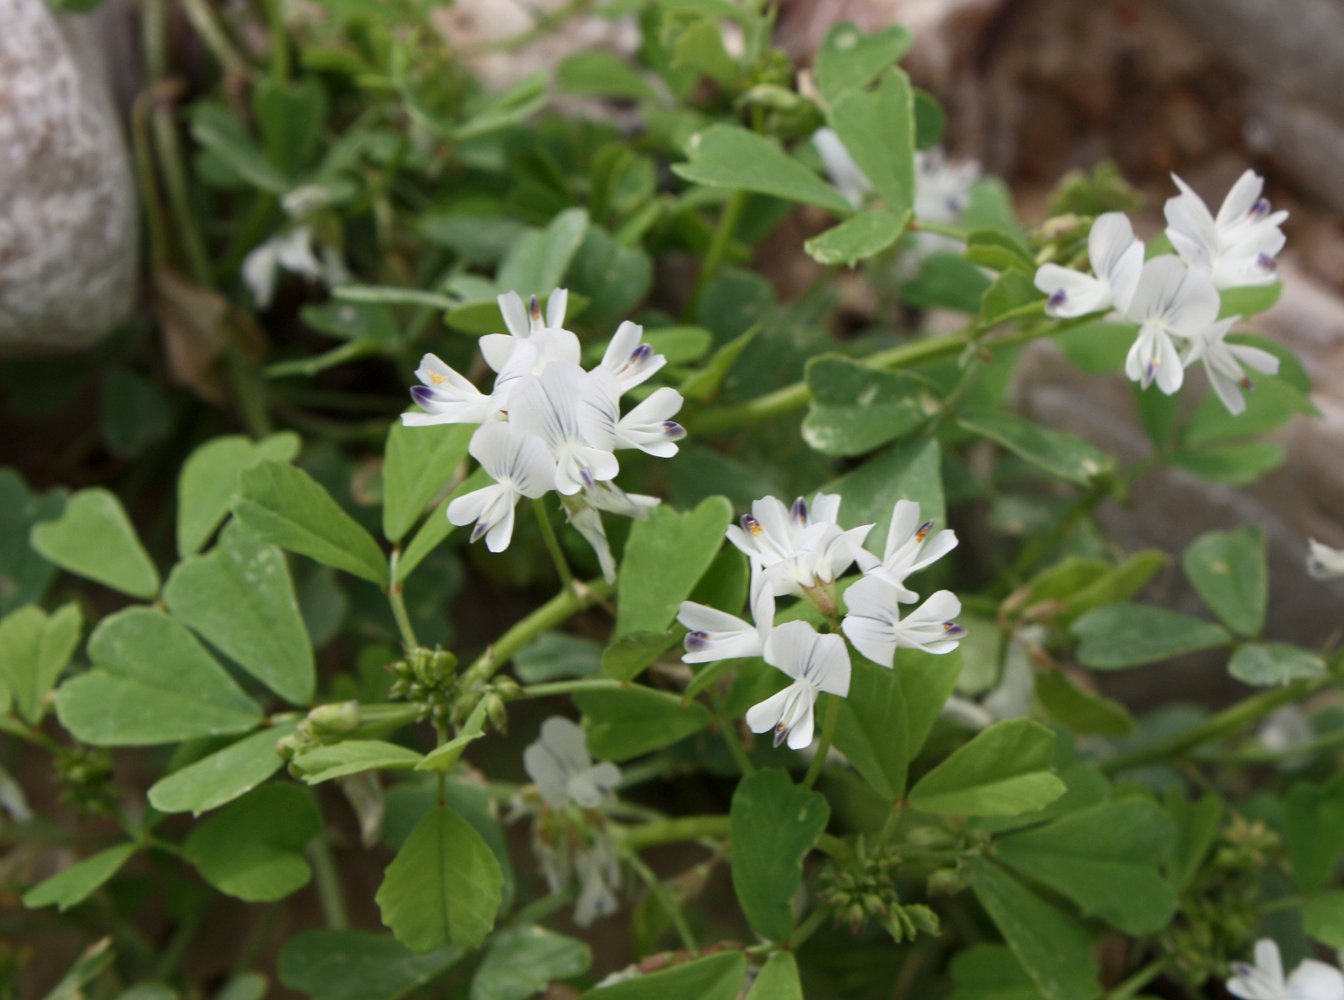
1057 298
696 641
750 525
1260 209
923 530
673 431
423 395
799 511
479 530
1266 263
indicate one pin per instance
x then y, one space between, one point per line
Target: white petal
1313 980
515 314
1071 293
260 269
1240 199
497 349
555 307
797 649
844 172
1109 240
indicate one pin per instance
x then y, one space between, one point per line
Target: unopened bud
499 714
338 717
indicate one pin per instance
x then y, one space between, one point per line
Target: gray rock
68 226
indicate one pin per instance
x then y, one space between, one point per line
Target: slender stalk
674 831
553 543
216 39
666 900
729 731
827 736
718 248
1263 755
279 41
329 891
1230 720
919 225
398 602
1131 986
808 927
549 688
889 826
552 613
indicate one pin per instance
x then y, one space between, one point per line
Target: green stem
889 826
398 602
549 615
666 900
728 728
550 688
1127 989
279 41
539 909
718 248
553 543
329 892
919 225
1230 720
675 831
212 33
1262 755
808 927
827 736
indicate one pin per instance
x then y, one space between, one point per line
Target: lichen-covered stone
68 224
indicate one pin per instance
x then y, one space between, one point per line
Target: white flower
629 358
560 766
797 548
1117 261
549 340
447 396
290 251
1223 362
650 427
840 166
909 549
717 635
575 414
1170 301
1323 562
521 467
599 875
1238 246
816 663
942 188
1312 980
875 626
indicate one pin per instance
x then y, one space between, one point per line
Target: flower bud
334 719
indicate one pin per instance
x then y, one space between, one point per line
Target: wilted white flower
599 876
1237 247
562 769
1224 363
521 467
876 628
1171 302
816 663
942 188
1323 562
1311 980
797 549
290 251
909 548
1116 258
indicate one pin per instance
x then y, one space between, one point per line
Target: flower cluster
1311 980
1175 299
801 551
547 424
570 838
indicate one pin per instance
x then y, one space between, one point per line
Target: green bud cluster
85 775
864 889
323 725
428 679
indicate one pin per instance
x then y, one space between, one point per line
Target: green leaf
727 156
445 757
240 599
351 757
700 48
704 384
222 776
77 883
1081 710
152 682
523 961
1228 570
1002 771
287 507
927 681
24 574
1275 401
946 281
715 977
1196 826
253 849
866 735
631 721
537 262
1233 464
774 824
220 134
209 480
665 556
1313 823
1011 296
290 117
1054 949
990 972
1323 918
420 461
614 278
242 986
443 887
1118 583
1125 635
557 654
95 539
778 979
1058 453
601 74
1249 299
909 469
34 648
999 251
1099 347
1268 663
857 238
849 59
877 128
1104 859
626 658
437 527
930 120
358 965
134 413
855 408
